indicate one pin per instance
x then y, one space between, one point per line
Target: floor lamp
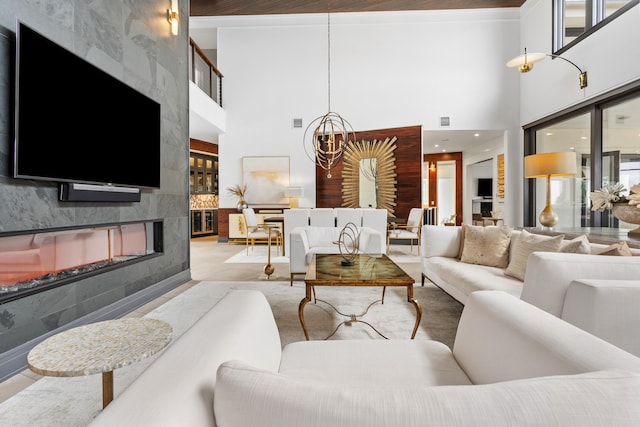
546 165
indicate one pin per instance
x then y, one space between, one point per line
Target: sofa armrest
437 240
549 274
502 338
177 388
371 241
609 309
299 246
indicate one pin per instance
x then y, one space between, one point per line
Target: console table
99 347
603 235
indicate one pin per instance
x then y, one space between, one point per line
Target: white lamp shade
293 192
550 164
527 58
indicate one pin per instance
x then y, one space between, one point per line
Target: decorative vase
627 213
241 205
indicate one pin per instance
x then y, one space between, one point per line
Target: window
605 134
576 19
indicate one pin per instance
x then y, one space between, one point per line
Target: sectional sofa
511 364
571 279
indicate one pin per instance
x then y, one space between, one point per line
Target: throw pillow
617 249
526 244
459 256
486 245
579 245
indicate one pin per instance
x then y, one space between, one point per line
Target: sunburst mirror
369 175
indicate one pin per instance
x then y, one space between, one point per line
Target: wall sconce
546 165
172 17
293 193
525 64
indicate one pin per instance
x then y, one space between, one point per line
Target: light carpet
76 401
398 254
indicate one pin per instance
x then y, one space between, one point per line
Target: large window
605 134
576 19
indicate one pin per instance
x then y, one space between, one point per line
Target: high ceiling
268 7
435 141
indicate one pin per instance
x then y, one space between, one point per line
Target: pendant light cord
329 57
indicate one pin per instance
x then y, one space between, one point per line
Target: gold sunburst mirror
369 174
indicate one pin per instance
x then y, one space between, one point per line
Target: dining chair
257 231
409 231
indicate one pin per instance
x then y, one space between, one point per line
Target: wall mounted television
485 187
74 123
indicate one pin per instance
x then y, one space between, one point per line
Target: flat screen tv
77 124
485 187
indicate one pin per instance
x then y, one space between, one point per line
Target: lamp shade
293 192
550 164
526 58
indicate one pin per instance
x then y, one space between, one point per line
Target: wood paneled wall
433 181
408 169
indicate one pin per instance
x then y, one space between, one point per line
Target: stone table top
99 347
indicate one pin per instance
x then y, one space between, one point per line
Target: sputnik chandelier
325 145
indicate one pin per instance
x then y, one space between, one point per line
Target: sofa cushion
247 396
486 245
469 278
577 245
322 236
524 245
362 362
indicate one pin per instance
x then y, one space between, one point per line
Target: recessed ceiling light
476 134
583 137
444 151
549 133
437 145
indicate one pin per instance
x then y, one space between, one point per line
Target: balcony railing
204 74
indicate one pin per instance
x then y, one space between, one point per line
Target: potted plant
239 191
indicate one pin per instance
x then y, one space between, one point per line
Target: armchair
257 231
409 231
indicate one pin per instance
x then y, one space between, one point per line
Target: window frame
593 21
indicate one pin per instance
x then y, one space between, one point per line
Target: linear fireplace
32 262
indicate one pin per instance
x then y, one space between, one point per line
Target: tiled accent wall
131 41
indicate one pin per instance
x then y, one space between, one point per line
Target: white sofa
304 242
547 280
335 217
511 363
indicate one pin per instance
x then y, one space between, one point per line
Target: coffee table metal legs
107 388
410 298
418 307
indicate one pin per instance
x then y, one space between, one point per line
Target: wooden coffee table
369 270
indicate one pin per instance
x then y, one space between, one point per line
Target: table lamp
547 165
293 193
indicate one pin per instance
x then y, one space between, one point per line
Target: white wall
610 56
387 70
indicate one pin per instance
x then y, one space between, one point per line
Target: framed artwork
266 179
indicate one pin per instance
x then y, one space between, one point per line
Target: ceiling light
332 131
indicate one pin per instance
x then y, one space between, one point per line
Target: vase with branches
239 191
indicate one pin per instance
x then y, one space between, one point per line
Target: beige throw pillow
486 245
524 245
579 245
617 249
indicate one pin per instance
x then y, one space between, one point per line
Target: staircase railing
204 73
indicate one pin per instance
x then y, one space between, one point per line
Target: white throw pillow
526 244
486 245
246 396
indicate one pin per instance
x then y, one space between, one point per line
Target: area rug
257 256
76 401
400 254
